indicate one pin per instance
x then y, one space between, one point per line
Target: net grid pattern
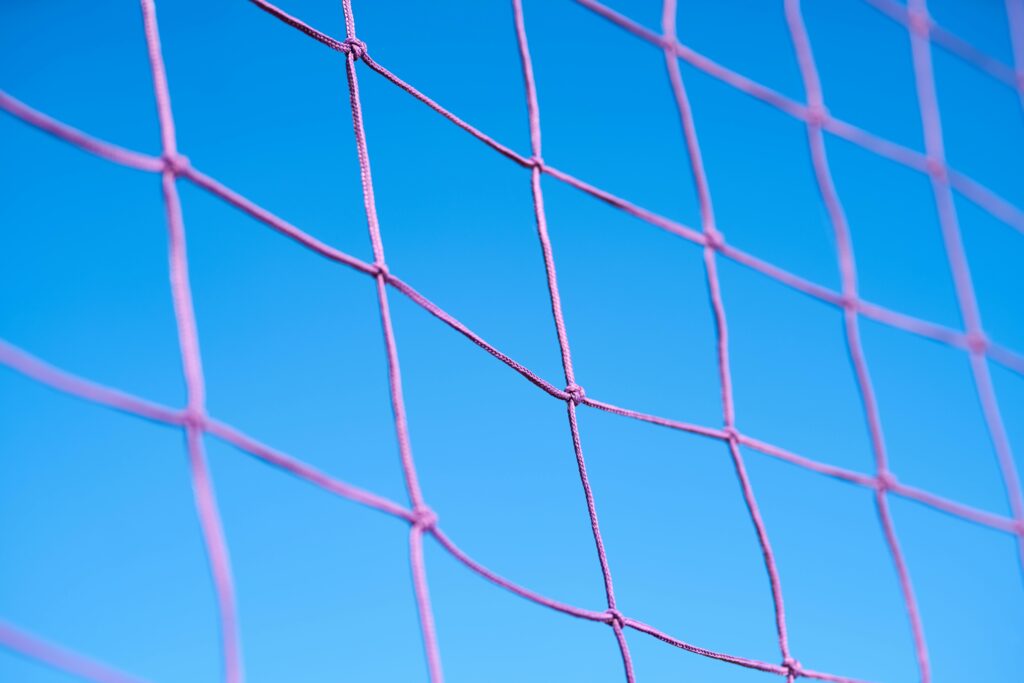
195 422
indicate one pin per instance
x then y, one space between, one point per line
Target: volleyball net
172 167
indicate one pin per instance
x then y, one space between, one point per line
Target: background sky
100 549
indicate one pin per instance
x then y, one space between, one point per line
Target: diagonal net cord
886 316
1008 358
188 340
61 659
848 274
39 371
79 387
713 241
968 187
572 389
1015 18
919 26
957 46
984 197
425 519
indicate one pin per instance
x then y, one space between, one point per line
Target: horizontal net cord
45 652
1008 358
173 166
68 383
954 44
984 197
33 647
971 189
956 254
73 385
86 142
971 342
999 353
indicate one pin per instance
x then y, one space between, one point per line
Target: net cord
196 423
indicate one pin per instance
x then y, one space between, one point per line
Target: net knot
817 115
885 481
919 22
731 434
849 302
177 164
792 666
424 518
615 618
193 420
937 168
354 47
713 239
977 343
575 393
380 268
537 162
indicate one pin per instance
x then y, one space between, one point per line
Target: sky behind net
951 190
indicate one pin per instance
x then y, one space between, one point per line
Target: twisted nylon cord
193 419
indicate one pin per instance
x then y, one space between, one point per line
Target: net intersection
171 165
998 206
424 518
851 324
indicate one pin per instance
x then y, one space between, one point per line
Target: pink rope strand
848 275
62 131
172 165
62 381
886 148
59 658
46 374
71 384
713 239
918 27
968 187
1015 20
1000 354
425 520
43 372
195 414
55 378
575 393
1006 357
953 43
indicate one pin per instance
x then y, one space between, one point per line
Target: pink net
195 422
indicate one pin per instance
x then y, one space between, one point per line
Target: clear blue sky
99 545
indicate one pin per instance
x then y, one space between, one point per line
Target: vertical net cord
174 165
848 274
713 240
918 27
195 414
425 519
573 390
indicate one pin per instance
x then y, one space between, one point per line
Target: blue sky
99 545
